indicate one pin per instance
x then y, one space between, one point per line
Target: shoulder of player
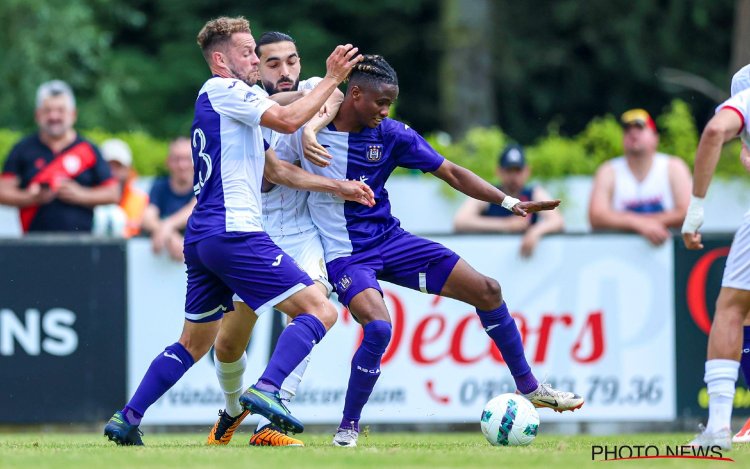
309 83
395 130
219 87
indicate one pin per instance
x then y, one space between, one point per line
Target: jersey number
199 143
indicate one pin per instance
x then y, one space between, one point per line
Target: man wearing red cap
642 191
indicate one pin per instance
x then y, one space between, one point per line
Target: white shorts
737 270
307 251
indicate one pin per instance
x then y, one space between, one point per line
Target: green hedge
552 156
555 155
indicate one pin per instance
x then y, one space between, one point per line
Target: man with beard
55 177
226 249
287 221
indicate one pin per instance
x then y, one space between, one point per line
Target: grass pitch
381 450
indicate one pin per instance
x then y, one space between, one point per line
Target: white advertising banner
596 314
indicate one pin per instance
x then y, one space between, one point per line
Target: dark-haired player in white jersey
366 244
226 249
287 221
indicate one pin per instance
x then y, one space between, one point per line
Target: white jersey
228 157
285 209
652 195
740 103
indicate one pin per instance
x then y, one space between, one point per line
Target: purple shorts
403 259
249 264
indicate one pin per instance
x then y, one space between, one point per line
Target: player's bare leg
312 315
166 369
370 311
484 293
722 365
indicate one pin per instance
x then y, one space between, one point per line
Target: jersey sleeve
12 165
310 83
413 151
739 103
236 100
289 147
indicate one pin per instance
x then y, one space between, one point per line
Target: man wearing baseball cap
642 191
476 216
133 201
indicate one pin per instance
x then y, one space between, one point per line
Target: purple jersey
228 157
369 156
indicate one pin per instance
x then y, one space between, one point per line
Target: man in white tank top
642 191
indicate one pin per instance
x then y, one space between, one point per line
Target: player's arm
287 174
287 119
724 126
475 187
469 219
314 151
286 98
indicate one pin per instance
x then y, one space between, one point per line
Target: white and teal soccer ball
509 420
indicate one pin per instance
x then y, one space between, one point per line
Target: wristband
694 215
509 202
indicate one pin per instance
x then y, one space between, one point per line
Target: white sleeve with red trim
740 103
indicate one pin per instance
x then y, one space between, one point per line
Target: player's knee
491 295
227 352
378 335
327 314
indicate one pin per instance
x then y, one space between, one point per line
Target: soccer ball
509 420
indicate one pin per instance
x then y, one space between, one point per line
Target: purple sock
365 371
166 369
295 343
500 326
745 358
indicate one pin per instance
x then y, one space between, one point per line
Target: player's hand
314 152
71 192
653 230
356 191
341 61
693 222
524 208
692 241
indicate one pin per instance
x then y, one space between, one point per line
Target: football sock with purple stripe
166 369
295 343
745 359
365 371
500 326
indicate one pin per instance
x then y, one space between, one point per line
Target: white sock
720 378
230 380
289 386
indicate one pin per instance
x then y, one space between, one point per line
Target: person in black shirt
55 177
476 216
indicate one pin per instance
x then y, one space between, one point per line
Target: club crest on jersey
345 283
374 152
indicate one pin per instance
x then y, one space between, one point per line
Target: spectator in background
171 201
54 176
643 191
125 218
476 216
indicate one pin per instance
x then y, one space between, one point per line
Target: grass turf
382 450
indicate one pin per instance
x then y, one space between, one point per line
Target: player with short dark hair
226 249
366 244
